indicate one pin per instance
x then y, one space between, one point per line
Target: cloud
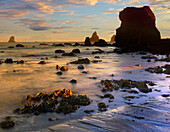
110 11
58 32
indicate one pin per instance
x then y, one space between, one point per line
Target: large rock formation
94 37
113 38
137 28
87 42
12 39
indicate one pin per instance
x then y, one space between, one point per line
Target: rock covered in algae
60 101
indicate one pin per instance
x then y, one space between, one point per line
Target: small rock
88 111
73 81
20 45
8 60
42 62
102 106
75 51
50 119
149 60
96 61
81 61
59 73
92 77
7 124
108 96
165 95
85 72
57 67
96 57
64 68
81 66
59 51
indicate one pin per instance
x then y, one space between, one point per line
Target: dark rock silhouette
94 37
12 39
20 45
137 28
87 42
100 43
113 38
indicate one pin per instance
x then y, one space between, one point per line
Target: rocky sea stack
12 39
138 28
94 37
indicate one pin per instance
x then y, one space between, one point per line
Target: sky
71 20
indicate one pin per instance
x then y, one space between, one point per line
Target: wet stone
42 62
85 72
88 111
75 51
59 51
60 101
102 106
8 60
81 61
73 81
81 66
7 124
64 68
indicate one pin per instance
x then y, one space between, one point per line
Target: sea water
19 80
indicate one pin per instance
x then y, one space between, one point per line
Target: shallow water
19 80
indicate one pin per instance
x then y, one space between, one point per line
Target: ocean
20 80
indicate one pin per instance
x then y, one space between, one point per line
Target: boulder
20 45
59 51
75 51
87 42
94 37
138 29
101 42
9 60
68 44
12 39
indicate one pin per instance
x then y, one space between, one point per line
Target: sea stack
94 37
12 39
113 38
138 29
87 42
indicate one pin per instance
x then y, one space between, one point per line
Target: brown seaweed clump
60 101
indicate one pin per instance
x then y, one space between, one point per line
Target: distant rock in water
87 42
113 38
94 37
12 39
101 42
137 28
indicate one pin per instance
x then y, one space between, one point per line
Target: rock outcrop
113 38
12 39
137 28
101 42
94 37
87 42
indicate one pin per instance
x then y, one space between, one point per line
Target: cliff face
113 38
12 39
137 27
94 37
